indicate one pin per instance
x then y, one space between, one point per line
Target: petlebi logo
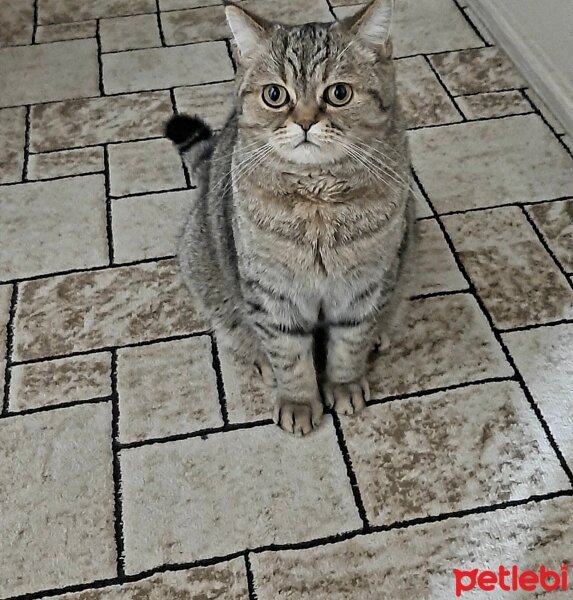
511 580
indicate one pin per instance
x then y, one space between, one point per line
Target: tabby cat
304 211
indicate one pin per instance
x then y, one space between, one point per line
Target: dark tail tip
182 129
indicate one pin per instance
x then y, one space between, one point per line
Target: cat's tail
193 138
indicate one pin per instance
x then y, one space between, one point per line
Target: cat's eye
338 94
275 96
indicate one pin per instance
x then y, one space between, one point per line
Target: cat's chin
308 154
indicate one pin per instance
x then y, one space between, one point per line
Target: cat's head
314 93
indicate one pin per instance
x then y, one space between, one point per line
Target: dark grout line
294 546
35 26
146 91
536 326
42 179
445 88
171 338
500 91
450 213
137 194
331 10
472 24
440 390
216 362
9 350
466 121
350 472
134 263
99 59
117 484
202 433
51 407
159 24
438 52
439 294
108 208
498 337
26 145
250 578
545 244
230 54
558 137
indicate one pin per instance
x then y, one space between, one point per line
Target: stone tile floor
136 461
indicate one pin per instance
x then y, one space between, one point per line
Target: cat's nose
305 124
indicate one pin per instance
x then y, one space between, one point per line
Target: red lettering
514 577
564 577
460 585
528 581
544 575
486 581
503 573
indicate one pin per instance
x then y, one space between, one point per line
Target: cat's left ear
372 24
248 30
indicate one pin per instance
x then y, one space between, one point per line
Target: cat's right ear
248 30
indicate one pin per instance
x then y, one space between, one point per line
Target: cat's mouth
306 144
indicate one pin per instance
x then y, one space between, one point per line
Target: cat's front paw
297 417
346 398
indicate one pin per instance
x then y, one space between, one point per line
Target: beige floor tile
248 398
450 451
17 22
212 102
65 31
477 70
225 581
514 159
516 278
93 121
493 104
127 33
293 12
65 162
59 381
568 141
542 107
87 311
39 234
450 329
432 267
234 490
346 2
157 68
415 25
195 25
149 226
49 72
12 140
544 357
418 562
424 100
166 389
146 166
422 207
56 499
555 220
63 11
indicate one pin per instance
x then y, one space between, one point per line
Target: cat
304 214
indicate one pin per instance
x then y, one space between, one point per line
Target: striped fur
285 241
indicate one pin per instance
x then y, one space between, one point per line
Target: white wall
538 36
